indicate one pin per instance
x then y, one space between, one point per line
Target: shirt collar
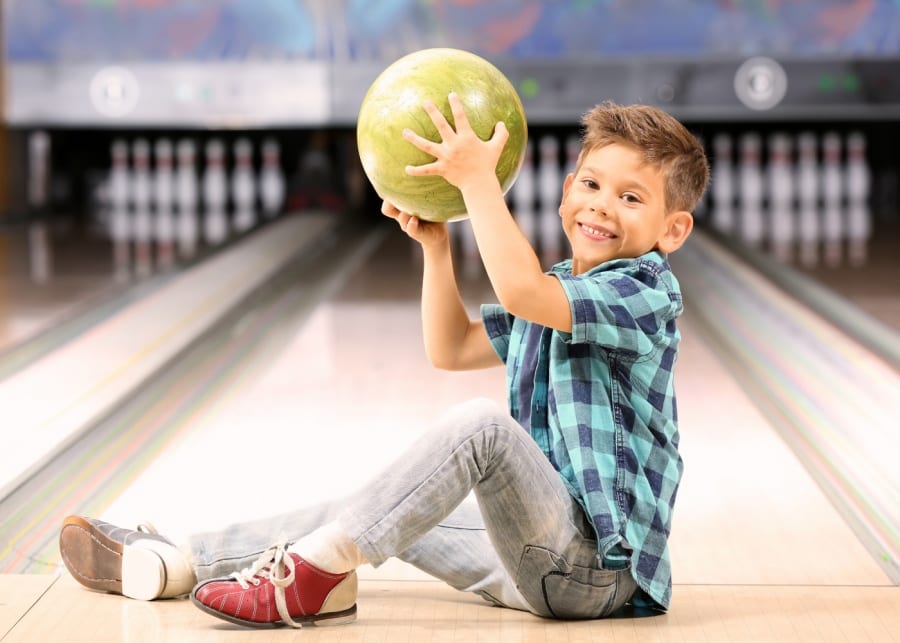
565 266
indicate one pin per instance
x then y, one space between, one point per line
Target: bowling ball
394 102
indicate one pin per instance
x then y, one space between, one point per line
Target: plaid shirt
600 402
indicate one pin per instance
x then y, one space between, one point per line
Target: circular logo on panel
760 83
114 91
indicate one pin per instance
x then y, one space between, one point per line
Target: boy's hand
425 232
461 157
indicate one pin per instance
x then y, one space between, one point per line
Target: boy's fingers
459 111
421 142
500 136
437 117
389 209
500 132
403 220
422 170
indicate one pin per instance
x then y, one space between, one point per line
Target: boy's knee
480 411
483 418
487 406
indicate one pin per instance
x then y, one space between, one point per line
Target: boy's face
614 208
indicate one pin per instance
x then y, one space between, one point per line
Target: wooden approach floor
50 608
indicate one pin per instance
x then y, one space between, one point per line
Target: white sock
188 552
329 549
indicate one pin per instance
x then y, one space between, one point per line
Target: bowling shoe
279 589
138 563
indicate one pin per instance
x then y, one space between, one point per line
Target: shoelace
276 566
147 528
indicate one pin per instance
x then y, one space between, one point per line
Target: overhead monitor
256 63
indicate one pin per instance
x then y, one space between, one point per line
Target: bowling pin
119 176
271 179
141 177
40 254
859 231
142 219
701 210
808 191
752 224
186 195
833 225
215 193
163 176
781 196
164 202
522 197
39 164
858 186
119 203
243 186
722 184
549 187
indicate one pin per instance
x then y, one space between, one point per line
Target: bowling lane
819 200
873 283
50 270
748 511
63 275
350 388
320 384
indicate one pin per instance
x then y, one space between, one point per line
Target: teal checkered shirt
600 402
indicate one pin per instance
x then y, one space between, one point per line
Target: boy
575 483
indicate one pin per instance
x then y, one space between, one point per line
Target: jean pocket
557 589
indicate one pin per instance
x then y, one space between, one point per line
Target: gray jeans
527 545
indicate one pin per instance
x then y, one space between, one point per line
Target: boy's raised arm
515 272
452 340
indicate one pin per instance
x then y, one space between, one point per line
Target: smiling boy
575 482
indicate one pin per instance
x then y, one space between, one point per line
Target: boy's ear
566 185
678 227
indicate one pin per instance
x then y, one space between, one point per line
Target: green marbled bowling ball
394 102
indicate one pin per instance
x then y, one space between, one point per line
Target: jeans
526 545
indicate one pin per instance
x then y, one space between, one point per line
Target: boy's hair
660 138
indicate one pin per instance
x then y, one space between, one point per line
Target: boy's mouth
596 232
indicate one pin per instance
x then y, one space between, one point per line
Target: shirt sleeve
629 309
498 324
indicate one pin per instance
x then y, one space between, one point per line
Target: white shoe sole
143 573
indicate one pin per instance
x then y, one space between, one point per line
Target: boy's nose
599 204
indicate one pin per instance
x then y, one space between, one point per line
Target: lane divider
834 401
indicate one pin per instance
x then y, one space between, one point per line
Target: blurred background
797 102
143 140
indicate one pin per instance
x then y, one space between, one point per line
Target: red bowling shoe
280 588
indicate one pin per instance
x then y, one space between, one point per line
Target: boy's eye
590 184
628 197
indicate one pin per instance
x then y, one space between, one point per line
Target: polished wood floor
428 611
759 552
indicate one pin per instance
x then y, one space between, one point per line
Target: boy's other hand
425 232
